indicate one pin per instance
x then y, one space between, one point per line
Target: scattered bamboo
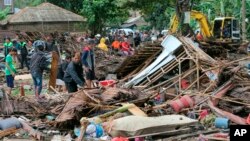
92 98
119 110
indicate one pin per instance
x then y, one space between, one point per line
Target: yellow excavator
223 29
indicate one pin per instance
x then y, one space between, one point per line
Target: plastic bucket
105 83
221 123
184 102
187 101
176 105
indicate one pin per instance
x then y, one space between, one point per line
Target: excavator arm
198 16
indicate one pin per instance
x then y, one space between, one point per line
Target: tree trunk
222 8
243 11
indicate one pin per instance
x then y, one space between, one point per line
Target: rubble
175 92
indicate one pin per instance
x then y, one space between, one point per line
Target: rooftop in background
45 12
45 17
134 21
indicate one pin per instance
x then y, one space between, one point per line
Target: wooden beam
6 132
135 110
53 70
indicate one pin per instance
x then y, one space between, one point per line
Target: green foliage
4 12
24 3
157 12
148 6
36 2
72 5
101 13
160 17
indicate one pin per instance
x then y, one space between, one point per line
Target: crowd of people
121 43
76 70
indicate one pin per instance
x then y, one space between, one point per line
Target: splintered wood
141 58
53 70
68 112
9 131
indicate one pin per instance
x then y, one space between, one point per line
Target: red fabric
199 37
86 48
221 135
158 97
184 84
105 83
125 46
203 114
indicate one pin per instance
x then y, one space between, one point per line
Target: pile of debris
175 92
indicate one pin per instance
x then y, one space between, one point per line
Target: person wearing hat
89 62
38 64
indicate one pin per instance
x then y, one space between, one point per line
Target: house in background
7 3
45 17
5 33
134 21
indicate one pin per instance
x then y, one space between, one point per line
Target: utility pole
243 11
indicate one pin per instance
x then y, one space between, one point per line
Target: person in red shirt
125 47
199 36
116 45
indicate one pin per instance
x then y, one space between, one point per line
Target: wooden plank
141 67
23 77
140 56
215 138
53 70
135 110
8 132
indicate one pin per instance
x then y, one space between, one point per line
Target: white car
127 31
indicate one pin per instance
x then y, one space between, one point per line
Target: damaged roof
45 12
